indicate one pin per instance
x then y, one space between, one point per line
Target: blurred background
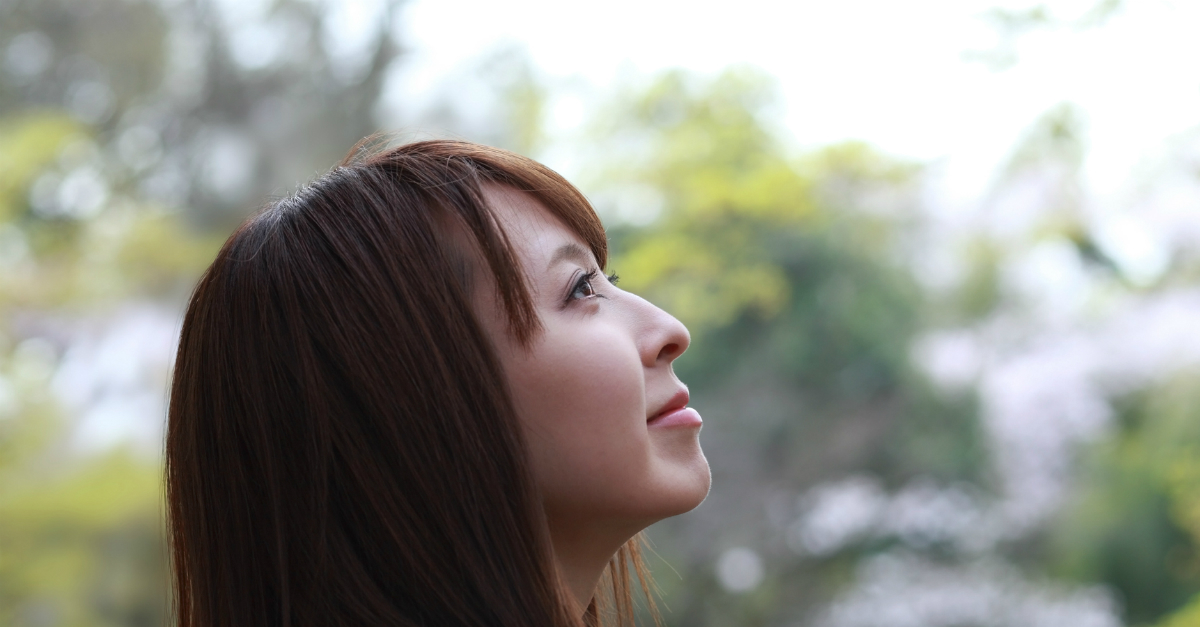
939 259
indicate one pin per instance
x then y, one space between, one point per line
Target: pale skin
611 446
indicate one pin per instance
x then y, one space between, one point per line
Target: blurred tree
1135 525
786 271
1012 24
133 134
84 548
186 99
126 124
1184 478
498 100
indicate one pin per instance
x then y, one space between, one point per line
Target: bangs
451 175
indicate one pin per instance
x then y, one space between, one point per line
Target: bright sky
884 71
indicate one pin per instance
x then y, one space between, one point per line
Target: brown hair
341 447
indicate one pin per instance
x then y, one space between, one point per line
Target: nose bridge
660 336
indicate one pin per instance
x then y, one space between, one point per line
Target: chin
689 484
702 481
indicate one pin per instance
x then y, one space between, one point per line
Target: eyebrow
570 252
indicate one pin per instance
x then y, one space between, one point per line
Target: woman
406 395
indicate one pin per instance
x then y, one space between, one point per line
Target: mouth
676 413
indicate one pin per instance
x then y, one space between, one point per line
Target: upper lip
678 401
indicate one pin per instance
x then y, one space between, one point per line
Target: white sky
884 71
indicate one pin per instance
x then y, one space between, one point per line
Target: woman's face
611 443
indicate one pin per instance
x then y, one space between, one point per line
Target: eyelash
586 280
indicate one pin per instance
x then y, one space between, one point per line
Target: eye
583 287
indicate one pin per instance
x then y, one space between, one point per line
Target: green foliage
981 289
1183 487
28 143
1134 525
159 127
784 269
781 267
1189 616
131 250
522 100
80 538
1012 24
84 547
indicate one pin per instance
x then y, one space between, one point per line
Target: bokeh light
939 260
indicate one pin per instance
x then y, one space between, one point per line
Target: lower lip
686 417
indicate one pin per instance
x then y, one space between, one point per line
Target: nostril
669 352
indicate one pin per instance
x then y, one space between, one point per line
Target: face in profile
315 402
613 445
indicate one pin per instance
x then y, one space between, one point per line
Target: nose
661 337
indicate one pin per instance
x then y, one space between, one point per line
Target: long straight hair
341 446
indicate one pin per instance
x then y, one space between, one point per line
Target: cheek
581 400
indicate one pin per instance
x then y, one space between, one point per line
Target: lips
676 413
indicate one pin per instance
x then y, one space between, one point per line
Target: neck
581 556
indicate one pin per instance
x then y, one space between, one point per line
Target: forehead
534 233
